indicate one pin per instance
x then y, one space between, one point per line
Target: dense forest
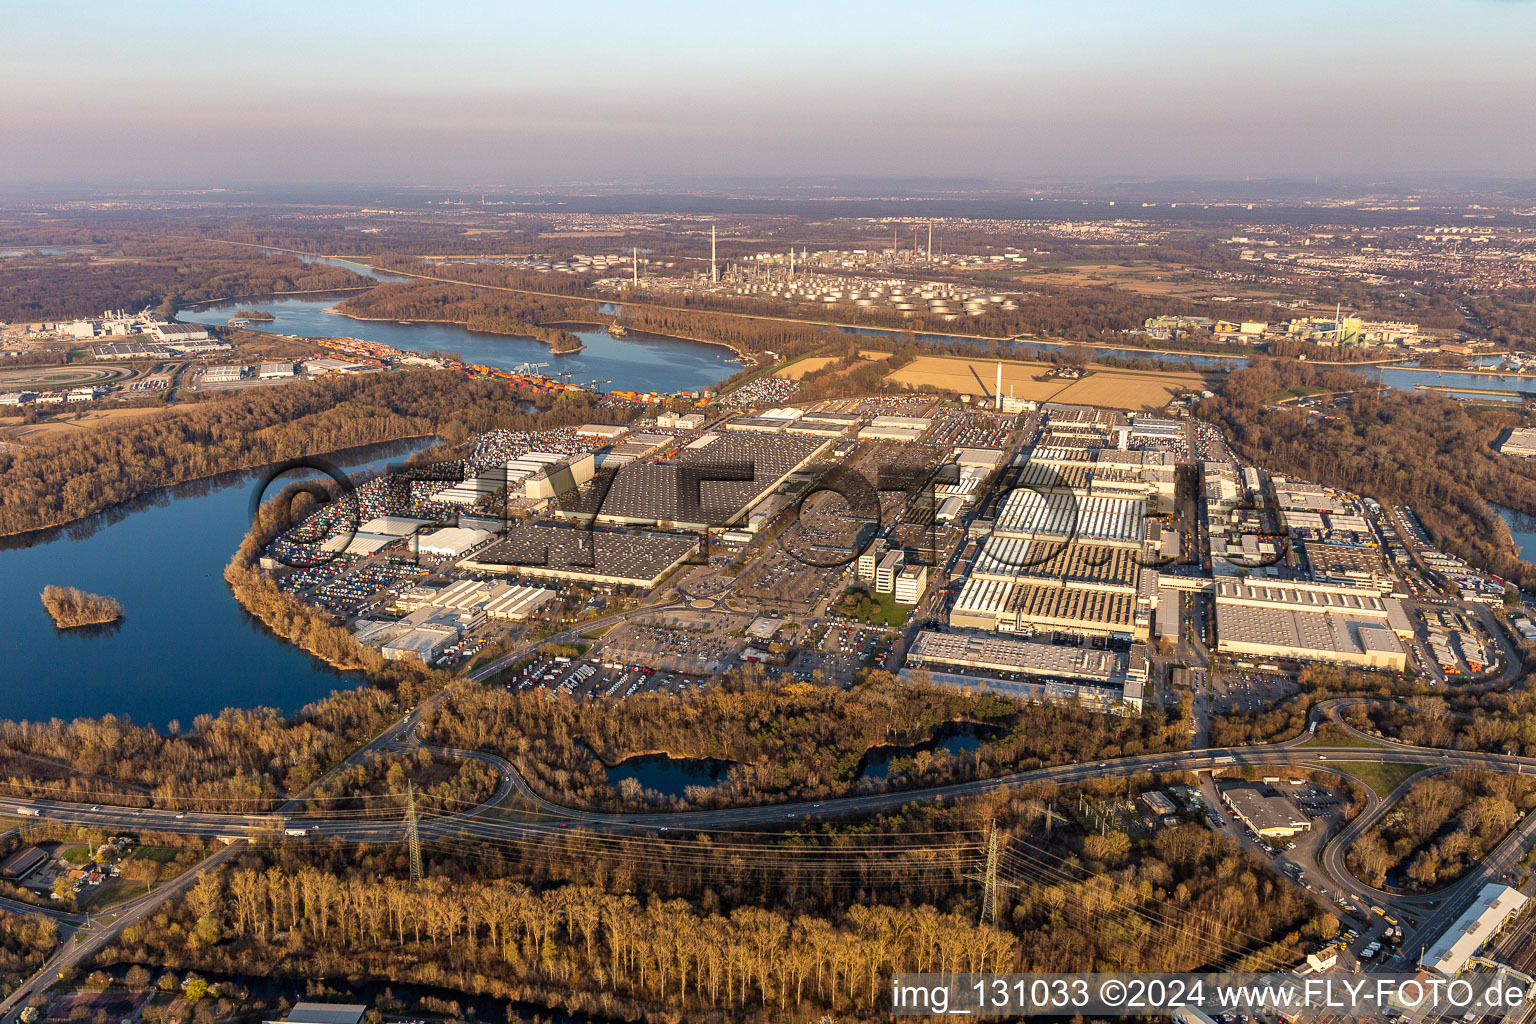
477 309
1499 723
754 926
158 272
1444 825
791 740
25 942
75 475
377 787
244 759
1423 450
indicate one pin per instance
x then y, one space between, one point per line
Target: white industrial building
451 541
895 428
1030 514
359 543
394 526
500 601
1495 904
604 430
1521 442
276 371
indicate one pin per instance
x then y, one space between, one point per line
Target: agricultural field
1104 386
1130 389
1143 278
14 428
978 377
802 368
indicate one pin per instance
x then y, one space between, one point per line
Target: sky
477 94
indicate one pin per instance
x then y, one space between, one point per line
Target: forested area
75 475
1498 723
164 273
25 942
476 308
753 926
1508 317
1429 452
792 740
377 787
243 759
1444 825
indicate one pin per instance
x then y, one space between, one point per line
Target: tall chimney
999 391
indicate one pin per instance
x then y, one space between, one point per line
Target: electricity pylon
412 833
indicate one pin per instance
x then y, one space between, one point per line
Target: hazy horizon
382 93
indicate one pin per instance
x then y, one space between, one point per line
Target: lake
183 646
953 738
638 362
669 776
1523 528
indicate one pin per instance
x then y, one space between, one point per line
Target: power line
412 833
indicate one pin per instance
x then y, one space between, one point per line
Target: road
88 941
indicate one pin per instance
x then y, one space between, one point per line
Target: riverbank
274 295
19 538
338 311
1478 371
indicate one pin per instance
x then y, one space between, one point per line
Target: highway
474 821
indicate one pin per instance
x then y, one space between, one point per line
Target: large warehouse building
1265 812
1311 622
1009 657
1031 515
711 482
1495 904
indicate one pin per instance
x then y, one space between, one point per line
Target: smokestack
635 257
999 391
930 240
791 261
714 270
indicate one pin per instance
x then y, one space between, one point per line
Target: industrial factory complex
1065 553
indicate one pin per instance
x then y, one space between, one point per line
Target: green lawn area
158 854
75 855
875 609
1383 777
105 897
1353 741
1299 391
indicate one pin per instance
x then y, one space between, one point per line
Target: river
183 646
637 362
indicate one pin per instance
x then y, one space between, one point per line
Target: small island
252 314
71 607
